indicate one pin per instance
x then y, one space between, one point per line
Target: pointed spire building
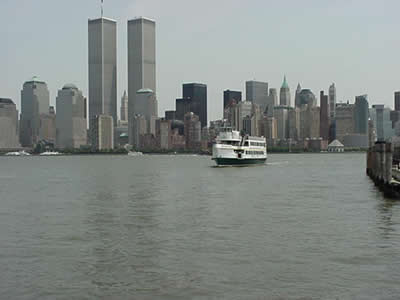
284 95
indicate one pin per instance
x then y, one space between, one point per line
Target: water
305 226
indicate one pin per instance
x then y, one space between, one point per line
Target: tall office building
332 101
324 124
141 63
361 114
272 102
197 93
344 120
70 121
102 39
8 124
397 101
35 101
296 97
306 97
102 132
281 115
284 95
230 96
124 107
257 92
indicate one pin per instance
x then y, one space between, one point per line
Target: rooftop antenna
102 8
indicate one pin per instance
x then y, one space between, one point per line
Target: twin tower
102 56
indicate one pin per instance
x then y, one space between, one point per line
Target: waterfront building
306 97
141 63
192 129
281 117
272 102
8 124
197 93
284 95
102 133
332 101
309 122
335 146
71 124
170 115
47 128
324 117
380 115
124 108
102 54
35 101
139 128
371 133
257 93
397 101
294 124
182 106
361 115
344 120
297 98
146 105
231 96
164 134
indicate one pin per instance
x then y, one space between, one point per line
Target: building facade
124 107
197 93
35 101
103 132
8 124
231 96
361 115
324 116
284 94
257 92
141 62
71 124
102 54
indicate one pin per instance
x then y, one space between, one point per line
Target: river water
304 226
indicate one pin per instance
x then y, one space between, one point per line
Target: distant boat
134 153
50 153
18 153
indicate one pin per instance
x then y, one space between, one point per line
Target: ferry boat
232 148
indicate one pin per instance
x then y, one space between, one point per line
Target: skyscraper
230 96
197 93
296 98
324 117
8 124
35 101
272 102
124 108
141 62
284 95
332 101
257 92
70 121
102 39
397 101
361 114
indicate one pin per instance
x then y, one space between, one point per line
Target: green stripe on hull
238 162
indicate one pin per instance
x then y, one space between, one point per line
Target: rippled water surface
304 226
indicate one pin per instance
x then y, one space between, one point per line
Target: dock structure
382 168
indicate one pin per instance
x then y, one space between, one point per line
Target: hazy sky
223 43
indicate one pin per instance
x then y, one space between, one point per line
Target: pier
383 168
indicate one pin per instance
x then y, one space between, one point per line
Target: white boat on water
134 153
233 149
50 153
18 153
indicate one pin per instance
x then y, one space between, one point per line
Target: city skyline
185 59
